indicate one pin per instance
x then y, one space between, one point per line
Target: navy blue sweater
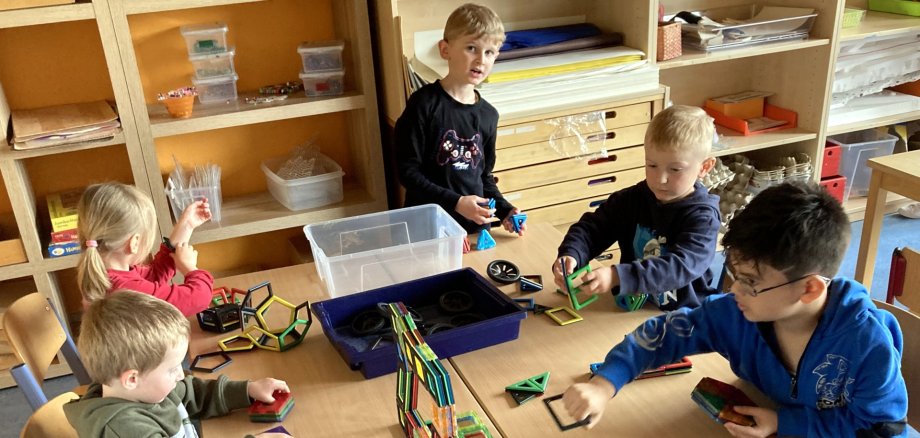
848 381
665 249
446 149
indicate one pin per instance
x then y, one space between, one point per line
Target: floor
897 231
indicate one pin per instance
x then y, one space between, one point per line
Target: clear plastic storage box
379 249
310 192
857 148
321 55
205 38
213 64
218 89
180 199
323 84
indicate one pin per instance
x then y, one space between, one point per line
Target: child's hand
599 280
558 275
509 227
468 207
195 214
584 399
263 389
766 419
185 257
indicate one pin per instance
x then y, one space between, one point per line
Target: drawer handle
612 114
602 160
596 203
604 180
598 137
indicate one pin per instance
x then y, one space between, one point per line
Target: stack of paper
64 124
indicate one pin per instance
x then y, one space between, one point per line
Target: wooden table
899 173
333 401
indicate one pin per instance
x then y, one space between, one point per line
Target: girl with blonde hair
117 228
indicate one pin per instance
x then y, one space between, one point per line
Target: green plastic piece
534 384
574 291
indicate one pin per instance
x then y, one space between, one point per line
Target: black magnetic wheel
368 321
455 301
439 327
503 271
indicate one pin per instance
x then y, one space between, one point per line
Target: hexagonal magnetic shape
225 356
260 313
220 319
292 329
226 343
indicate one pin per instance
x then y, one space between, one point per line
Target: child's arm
192 217
582 400
596 230
688 257
212 398
190 297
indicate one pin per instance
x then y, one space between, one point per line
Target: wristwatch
168 245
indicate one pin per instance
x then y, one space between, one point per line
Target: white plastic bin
329 83
323 188
379 249
218 89
858 147
319 56
205 38
211 65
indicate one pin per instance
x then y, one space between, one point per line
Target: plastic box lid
501 323
230 52
321 46
322 74
215 80
198 29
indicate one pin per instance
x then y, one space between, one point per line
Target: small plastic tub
309 192
210 65
205 38
320 56
323 84
217 89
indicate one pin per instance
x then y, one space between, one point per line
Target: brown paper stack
64 124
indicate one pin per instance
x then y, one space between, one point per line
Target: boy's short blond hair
473 19
681 128
128 330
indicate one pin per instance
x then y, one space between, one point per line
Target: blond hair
110 214
681 128
477 20
128 330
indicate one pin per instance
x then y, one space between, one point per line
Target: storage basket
668 41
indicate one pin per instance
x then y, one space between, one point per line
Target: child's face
156 384
469 58
777 297
671 174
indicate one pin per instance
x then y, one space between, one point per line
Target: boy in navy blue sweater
667 225
819 348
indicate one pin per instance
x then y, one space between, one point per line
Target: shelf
8 153
259 213
146 6
239 113
877 24
874 122
856 207
695 57
18 270
47 15
58 263
738 143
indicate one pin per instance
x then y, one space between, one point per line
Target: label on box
63 249
62 209
64 236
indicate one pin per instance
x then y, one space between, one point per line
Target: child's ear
442 49
129 379
814 289
706 166
134 244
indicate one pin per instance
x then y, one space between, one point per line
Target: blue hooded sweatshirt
665 249
848 381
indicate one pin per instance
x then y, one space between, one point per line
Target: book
64 236
63 249
62 209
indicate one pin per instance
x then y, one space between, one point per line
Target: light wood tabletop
657 407
330 400
898 173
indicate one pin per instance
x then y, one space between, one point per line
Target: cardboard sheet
60 119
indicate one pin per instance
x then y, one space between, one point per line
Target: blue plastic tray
501 324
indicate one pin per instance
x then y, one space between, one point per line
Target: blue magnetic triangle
485 241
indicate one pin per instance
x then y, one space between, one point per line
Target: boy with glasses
818 347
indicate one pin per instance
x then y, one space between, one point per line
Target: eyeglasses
747 287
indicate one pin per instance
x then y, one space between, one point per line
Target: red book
64 236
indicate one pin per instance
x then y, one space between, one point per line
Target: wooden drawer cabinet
562 170
516 134
576 189
561 214
543 151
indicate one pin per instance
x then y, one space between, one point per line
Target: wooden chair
49 420
910 328
37 334
904 279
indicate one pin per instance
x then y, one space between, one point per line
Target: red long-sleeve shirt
155 279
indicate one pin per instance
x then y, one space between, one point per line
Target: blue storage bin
501 319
